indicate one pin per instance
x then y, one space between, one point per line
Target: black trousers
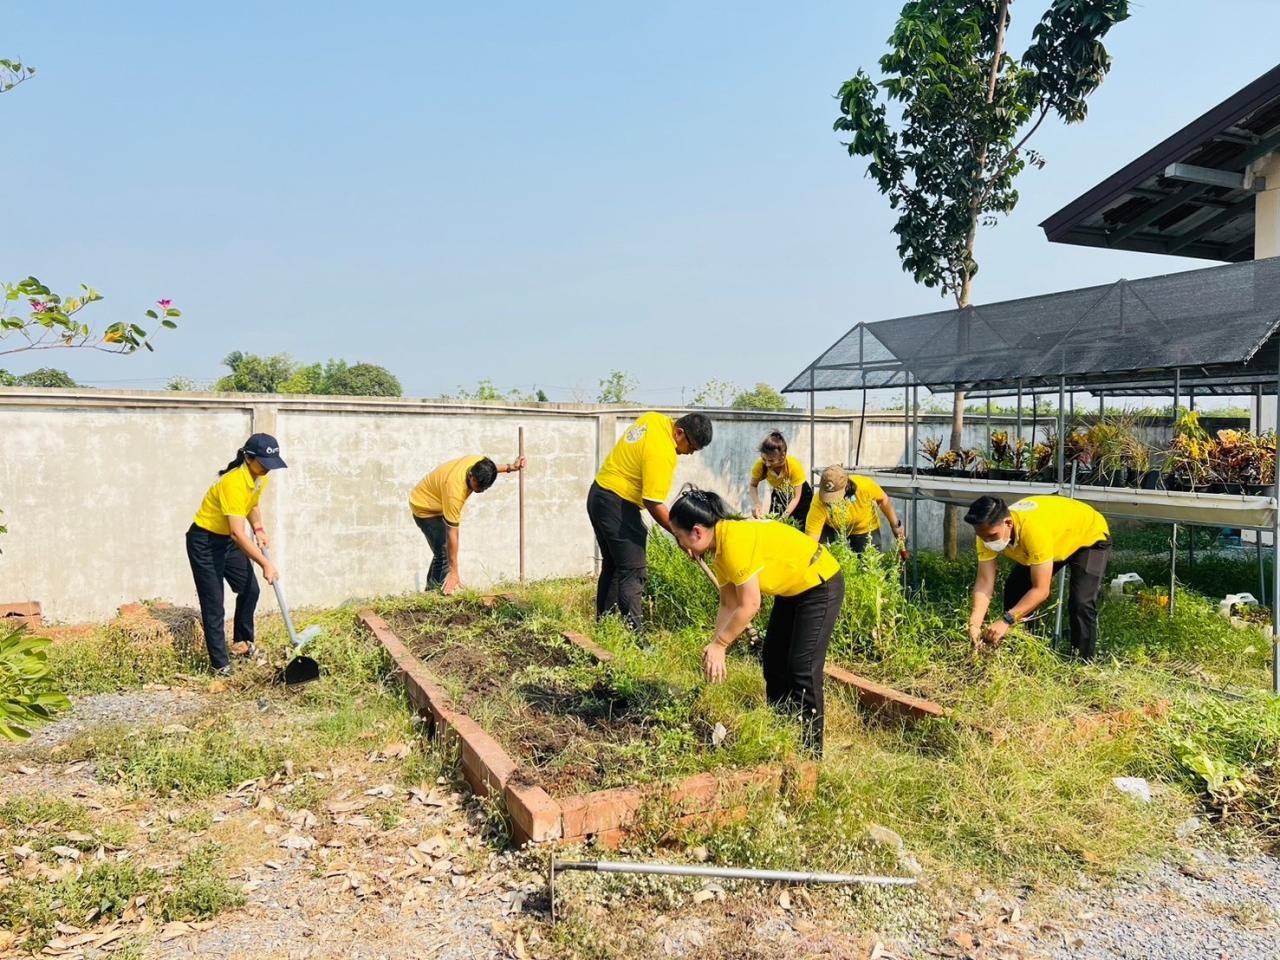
437 533
857 541
215 558
1088 569
795 651
622 535
779 501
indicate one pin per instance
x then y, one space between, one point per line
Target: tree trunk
951 517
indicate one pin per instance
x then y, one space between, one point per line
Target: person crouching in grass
767 557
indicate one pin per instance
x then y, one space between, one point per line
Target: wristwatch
1009 618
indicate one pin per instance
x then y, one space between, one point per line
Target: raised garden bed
575 749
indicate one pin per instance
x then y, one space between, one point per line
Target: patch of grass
197 821
201 763
115 656
194 890
46 812
198 888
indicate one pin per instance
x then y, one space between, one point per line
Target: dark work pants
437 533
778 502
857 541
621 534
215 558
1088 570
795 651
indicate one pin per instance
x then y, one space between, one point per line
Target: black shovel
300 669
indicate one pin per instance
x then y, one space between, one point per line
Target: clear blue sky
534 193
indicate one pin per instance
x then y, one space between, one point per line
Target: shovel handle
284 607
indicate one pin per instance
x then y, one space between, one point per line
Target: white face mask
997 545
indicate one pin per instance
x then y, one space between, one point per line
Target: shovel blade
298 671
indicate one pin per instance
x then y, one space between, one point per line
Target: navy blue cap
265 449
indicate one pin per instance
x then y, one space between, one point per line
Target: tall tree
968 110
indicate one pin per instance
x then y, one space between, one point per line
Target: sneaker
222 671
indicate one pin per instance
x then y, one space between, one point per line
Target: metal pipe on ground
718 873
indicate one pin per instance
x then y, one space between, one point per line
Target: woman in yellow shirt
790 491
845 509
219 546
756 557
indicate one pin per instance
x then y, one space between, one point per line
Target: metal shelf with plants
1211 332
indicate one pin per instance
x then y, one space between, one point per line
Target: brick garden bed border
602 815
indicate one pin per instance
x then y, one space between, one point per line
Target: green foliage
180 384
28 693
12 73
715 393
617 387
763 397
967 110
487 392
45 377
50 321
251 373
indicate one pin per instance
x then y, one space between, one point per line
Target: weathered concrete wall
98 488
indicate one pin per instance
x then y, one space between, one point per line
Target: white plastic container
1118 584
1233 601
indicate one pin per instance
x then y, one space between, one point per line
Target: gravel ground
130 708
1212 907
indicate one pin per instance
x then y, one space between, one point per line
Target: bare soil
558 734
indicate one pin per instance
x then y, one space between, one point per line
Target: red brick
26 612
587 644
880 697
594 813
535 816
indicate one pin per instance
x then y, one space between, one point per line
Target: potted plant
1190 455
930 450
974 463
1004 461
947 463
1041 467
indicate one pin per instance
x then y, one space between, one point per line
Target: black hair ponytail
238 461
775 442
703 508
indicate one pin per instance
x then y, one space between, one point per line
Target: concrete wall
98 487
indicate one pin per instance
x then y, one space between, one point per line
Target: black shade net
1124 337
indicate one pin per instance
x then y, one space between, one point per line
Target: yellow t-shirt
789 480
643 462
234 495
443 492
854 514
787 562
1049 528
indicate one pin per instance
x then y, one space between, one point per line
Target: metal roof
1191 195
1211 324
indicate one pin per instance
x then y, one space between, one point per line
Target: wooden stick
520 483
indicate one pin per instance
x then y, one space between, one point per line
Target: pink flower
38 306
164 304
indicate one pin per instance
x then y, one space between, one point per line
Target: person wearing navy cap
220 547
